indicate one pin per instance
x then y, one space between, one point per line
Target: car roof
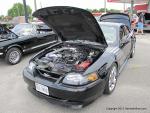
111 24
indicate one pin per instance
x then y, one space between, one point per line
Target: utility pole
25 11
35 5
124 6
105 6
132 4
41 5
148 9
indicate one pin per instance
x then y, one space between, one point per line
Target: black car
23 38
87 60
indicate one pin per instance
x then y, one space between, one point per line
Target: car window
34 28
110 33
6 34
23 29
43 26
43 29
123 34
126 30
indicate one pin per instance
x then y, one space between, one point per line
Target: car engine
68 59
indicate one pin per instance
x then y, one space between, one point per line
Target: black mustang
22 39
86 61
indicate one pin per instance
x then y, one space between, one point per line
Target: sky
91 4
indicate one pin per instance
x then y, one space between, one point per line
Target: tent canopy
142 7
128 1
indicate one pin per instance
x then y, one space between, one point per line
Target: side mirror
123 42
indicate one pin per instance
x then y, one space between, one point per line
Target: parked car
86 62
116 18
23 38
97 18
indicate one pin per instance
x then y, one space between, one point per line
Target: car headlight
79 79
31 66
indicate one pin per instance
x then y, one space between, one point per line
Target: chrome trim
39 46
1 53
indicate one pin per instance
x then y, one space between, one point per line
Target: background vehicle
147 22
117 18
26 29
87 60
22 39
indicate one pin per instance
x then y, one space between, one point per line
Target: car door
122 53
127 39
27 42
30 41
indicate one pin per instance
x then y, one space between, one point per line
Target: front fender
11 46
107 58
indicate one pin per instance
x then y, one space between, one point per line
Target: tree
18 10
103 10
1 17
113 11
90 10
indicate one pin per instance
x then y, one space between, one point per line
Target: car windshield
97 18
23 29
110 33
6 34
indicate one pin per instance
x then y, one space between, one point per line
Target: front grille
48 75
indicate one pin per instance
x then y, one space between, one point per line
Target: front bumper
66 94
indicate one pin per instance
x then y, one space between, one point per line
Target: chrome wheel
112 78
14 57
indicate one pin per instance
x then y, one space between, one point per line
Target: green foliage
90 10
1 17
103 10
113 11
18 10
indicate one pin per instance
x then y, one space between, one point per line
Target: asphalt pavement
132 93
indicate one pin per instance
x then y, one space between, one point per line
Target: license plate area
42 88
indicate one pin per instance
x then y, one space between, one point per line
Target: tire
13 56
133 51
111 79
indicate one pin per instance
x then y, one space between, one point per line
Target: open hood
117 18
71 23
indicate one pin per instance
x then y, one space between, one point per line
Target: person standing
134 21
141 23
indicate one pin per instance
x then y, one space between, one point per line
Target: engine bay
68 58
